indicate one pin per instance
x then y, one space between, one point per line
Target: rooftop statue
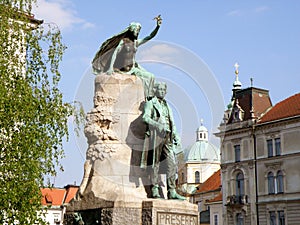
117 54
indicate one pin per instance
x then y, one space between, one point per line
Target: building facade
215 210
260 153
208 197
277 137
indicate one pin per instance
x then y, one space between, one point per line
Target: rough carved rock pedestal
113 189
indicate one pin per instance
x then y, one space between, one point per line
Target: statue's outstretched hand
158 20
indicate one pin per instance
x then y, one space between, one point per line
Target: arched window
239 219
197 177
279 182
271 187
240 184
281 217
272 218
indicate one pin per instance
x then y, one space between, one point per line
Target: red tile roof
53 196
218 198
58 196
212 183
287 108
71 192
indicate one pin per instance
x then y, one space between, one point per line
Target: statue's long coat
152 116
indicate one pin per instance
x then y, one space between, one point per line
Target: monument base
147 212
169 212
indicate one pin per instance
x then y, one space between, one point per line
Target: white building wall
205 170
216 213
54 215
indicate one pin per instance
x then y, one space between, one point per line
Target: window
271 187
274 147
275 183
281 218
279 181
239 184
182 177
56 218
237 152
272 218
239 219
277 146
270 147
216 222
197 177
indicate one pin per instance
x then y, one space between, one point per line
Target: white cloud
159 52
248 12
235 13
87 25
61 13
261 9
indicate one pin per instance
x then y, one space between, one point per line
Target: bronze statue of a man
161 136
117 54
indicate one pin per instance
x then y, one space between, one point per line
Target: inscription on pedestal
164 218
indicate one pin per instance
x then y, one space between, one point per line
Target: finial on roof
236 65
201 122
237 84
251 81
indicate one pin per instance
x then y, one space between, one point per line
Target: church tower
201 160
238 151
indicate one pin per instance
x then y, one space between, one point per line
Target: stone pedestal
148 212
106 216
169 212
114 189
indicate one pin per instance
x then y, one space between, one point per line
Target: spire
237 85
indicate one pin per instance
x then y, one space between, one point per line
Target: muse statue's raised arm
117 55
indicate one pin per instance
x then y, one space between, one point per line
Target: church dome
202 150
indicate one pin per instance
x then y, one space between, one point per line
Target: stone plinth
169 212
148 212
106 216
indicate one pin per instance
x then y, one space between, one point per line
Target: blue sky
262 36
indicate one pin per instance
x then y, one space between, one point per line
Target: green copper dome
202 150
